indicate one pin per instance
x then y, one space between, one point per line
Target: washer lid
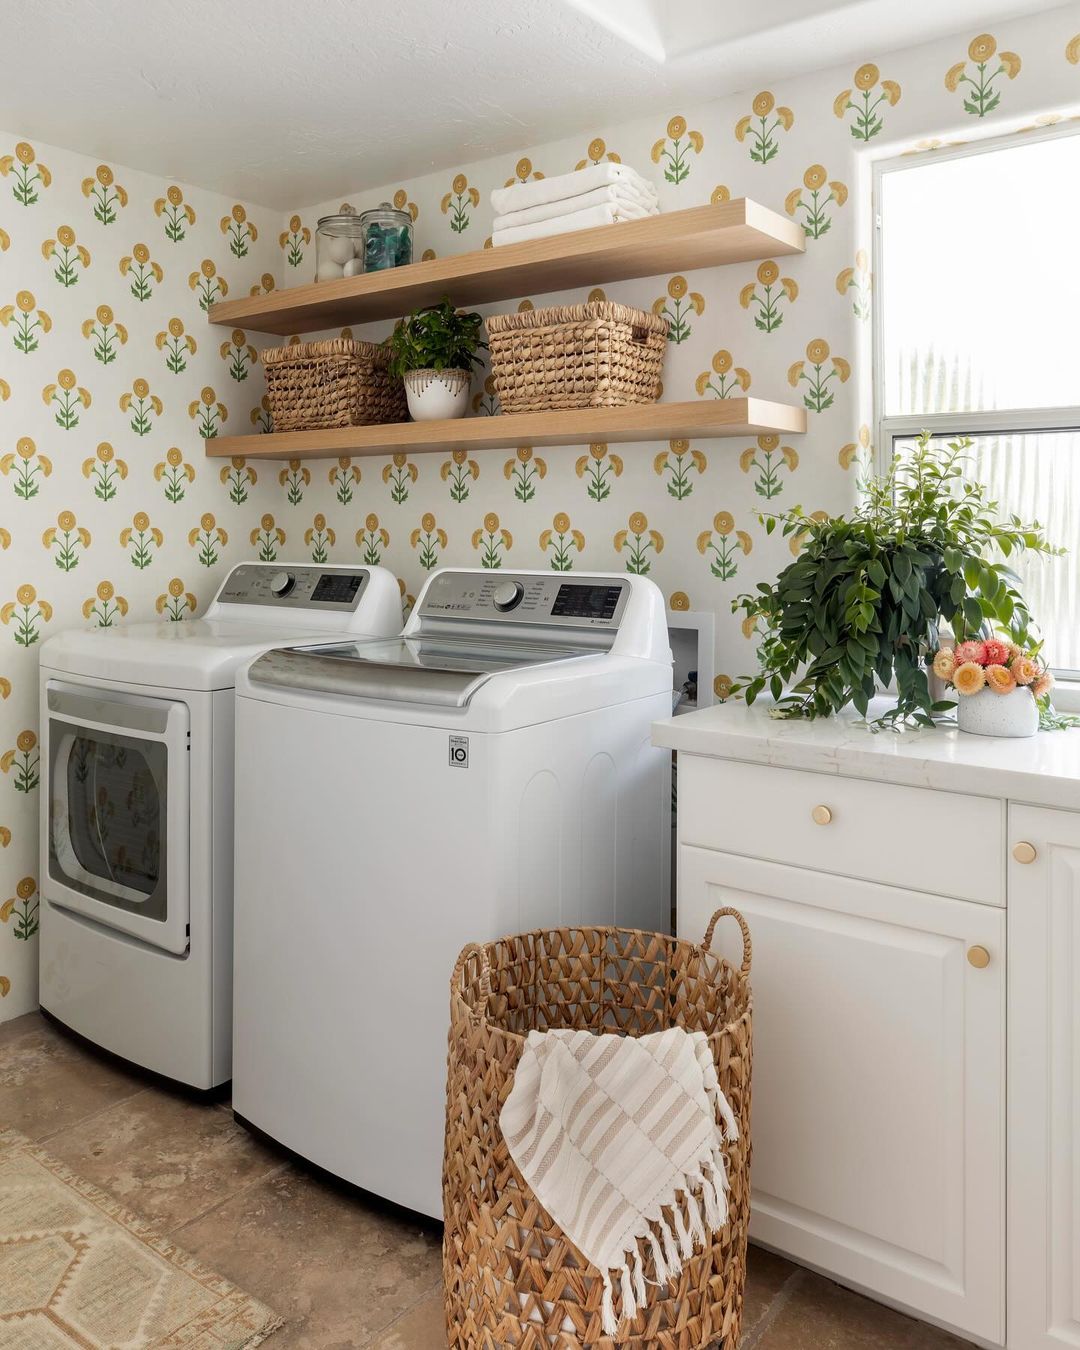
438 671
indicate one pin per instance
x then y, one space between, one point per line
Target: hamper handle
473 949
747 945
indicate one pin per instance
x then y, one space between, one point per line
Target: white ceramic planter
435 394
990 714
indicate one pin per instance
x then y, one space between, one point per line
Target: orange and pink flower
995 652
1000 678
1025 670
969 677
969 651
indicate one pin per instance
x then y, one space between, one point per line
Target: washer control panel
294 587
584 602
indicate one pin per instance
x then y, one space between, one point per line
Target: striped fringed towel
608 1131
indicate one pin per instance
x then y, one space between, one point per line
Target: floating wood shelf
641 422
680 241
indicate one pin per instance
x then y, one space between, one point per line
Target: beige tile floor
346 1275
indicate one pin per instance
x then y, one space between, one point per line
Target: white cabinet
879 1075
1044 1079
914 902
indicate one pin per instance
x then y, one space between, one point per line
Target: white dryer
137 805
489 772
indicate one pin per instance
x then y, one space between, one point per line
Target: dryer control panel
525 598
294 586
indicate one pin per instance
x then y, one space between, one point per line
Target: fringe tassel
671 1254
686 1242
629 1301
697 1226
661 1265
607 1308
639 1279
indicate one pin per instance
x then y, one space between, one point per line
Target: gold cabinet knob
821 815
979 957
1024 852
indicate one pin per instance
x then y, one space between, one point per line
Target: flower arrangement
995 664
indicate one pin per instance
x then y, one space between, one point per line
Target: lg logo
459 752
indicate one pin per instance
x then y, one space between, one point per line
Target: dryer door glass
117 782
110 839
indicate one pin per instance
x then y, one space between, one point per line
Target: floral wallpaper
110 377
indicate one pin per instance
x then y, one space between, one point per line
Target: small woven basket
511 1275
598 355
335 383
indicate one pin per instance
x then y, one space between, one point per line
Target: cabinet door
878 1087
1044 1079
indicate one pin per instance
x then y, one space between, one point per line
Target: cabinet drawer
943 842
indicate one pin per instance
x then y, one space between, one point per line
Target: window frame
890 428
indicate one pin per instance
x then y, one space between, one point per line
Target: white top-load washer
489 772
137 802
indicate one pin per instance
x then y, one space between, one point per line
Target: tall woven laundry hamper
512 1277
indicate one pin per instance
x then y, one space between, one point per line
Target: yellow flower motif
817 351
722 362
676 127
982 48
460 183
720 194
427 520
1072 51
763 104
140 520
491 522
867 76
677 288
26 595
891 91
815 176
561 522
767 273
723 522
722 687
952 76
1010 63
639 522
26 741
679 602
841 102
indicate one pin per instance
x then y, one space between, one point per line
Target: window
977 333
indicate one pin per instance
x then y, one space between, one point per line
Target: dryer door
116 784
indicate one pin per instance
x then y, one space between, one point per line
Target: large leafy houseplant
437 337
861 604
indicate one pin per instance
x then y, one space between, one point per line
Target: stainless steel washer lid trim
358 673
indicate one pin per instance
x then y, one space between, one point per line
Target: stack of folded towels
602 194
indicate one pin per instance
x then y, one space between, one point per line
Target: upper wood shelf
680 241
639 422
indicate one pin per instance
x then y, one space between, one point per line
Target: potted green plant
862 603
434 350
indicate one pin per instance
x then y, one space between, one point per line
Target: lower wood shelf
585 426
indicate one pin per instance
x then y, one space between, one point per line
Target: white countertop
1043 770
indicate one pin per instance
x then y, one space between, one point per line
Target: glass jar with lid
387 237
339 246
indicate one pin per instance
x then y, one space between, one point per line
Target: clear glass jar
339 247
388 237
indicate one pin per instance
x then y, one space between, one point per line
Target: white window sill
1067 696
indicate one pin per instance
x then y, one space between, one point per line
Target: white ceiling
284 104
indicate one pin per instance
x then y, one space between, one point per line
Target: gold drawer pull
821 815
979 957
1024 852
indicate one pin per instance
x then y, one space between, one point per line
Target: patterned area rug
79 1270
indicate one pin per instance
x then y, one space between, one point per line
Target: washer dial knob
281 583
507 596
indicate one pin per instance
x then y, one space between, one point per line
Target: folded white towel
608 1131
620 195
520 196
575 220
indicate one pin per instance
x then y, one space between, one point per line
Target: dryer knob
281 583
508 595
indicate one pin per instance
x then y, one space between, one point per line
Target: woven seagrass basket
598 355
512 1277
335 383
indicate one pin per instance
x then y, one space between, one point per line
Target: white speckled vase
990 714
